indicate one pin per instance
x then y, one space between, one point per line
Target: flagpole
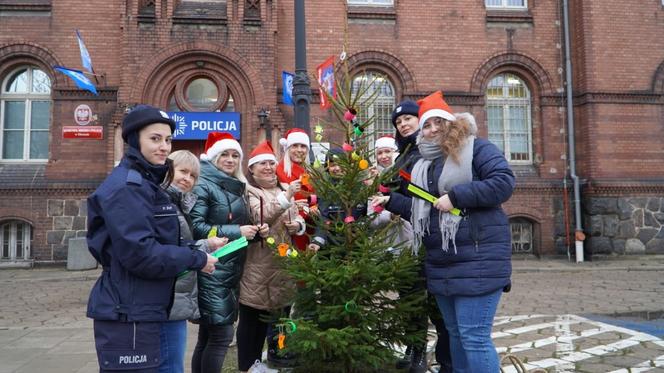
301 87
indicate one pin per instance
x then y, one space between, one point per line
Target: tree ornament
347 147
283 249
318 137
281 340
383 189
304 179
357 131
349 116
364 164
349 219
270 241
354 156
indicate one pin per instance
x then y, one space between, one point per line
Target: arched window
15 238
522 236
25 114
508 105
381 101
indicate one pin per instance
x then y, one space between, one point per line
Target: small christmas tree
348 315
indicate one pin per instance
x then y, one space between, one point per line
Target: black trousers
252 329
211 348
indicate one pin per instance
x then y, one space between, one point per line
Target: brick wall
455 46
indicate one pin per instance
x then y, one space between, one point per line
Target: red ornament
349 219
347 147
349 116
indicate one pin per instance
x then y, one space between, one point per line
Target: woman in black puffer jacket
221 210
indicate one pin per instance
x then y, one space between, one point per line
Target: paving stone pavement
559 316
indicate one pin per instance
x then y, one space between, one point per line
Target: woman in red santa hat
465 231
265 289
220 210
291 168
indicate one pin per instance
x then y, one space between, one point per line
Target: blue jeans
469 321
173 338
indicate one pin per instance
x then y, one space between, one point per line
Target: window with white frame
25 115
506 4
522 236
378 91
15 238
371 2
508 115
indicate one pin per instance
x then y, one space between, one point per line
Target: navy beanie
405 107
142 116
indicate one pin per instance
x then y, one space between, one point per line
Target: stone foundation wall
620 225
69 220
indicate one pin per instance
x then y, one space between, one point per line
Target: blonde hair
288 164
454 135
187 159
238 174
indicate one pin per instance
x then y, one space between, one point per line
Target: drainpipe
578 233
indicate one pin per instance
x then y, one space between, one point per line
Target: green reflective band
421 193
229 248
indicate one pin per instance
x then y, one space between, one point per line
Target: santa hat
434 106
218 142
386 141
262 152
295 136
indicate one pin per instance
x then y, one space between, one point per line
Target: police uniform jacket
133 232
221 202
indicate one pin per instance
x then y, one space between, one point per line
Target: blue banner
287 87
196 125
85 56
77 76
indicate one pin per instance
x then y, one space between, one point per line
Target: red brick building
502 60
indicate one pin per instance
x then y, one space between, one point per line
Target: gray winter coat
185 302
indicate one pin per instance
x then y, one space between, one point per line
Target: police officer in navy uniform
133 231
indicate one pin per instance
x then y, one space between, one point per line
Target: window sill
509 16
372 12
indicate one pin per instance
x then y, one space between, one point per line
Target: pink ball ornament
349 219
349 116
347 147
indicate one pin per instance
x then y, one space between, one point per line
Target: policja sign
196 126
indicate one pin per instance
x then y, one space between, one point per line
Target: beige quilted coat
264 285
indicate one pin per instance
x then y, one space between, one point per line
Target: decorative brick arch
520 211
529 69
234 69
658 80
387 63
15 54
155 80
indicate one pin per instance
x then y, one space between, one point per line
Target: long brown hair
454 136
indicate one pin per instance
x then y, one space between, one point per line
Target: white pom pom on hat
295 136
217 142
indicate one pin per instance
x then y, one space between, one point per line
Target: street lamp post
301 84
